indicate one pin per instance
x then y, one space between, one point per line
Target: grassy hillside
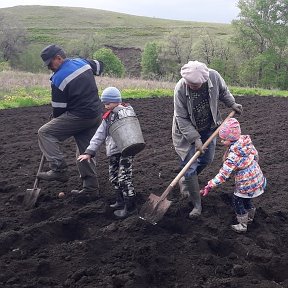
62 24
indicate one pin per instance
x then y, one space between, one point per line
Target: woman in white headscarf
196 116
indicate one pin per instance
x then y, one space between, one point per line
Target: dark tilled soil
76 242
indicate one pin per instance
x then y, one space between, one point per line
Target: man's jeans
204 160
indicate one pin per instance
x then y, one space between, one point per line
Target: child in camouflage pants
120 175
120 168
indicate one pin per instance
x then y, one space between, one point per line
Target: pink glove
204 192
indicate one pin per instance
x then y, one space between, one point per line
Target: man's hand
204 192
199 146
237 108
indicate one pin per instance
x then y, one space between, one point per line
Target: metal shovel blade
31 197
154 209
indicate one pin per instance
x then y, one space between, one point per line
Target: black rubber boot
91 184
128 209
119 203
52 175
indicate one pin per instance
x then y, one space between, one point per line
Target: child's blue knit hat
111 95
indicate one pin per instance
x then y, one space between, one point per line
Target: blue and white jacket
74 88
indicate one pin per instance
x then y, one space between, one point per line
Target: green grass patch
145 93
36 96
240 91
25 97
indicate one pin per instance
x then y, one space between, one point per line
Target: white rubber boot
242 226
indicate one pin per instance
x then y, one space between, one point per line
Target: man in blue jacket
77 112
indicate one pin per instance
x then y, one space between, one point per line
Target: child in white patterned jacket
241 160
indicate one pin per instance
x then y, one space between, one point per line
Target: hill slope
61 24
77 29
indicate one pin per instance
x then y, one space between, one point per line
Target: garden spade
31 195
156 206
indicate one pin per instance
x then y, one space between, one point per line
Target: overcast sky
218 11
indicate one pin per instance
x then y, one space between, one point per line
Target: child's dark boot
128 209
119 204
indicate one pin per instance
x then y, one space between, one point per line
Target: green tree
85 46
174 51
262 35
150 62
29 60
112 64
12 37
218 54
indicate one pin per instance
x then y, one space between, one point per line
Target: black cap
49 52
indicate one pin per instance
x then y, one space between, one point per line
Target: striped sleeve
223 174
255 153
59 102
97 66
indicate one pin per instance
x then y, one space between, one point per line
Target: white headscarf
195 72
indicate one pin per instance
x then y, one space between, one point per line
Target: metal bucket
127 134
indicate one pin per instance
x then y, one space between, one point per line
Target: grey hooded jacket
102 133
184 130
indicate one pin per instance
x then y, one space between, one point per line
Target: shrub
150 62
4 66
112 64
29 60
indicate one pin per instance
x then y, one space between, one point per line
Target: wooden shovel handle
194 158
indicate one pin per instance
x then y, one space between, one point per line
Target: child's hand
84 157
204 192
